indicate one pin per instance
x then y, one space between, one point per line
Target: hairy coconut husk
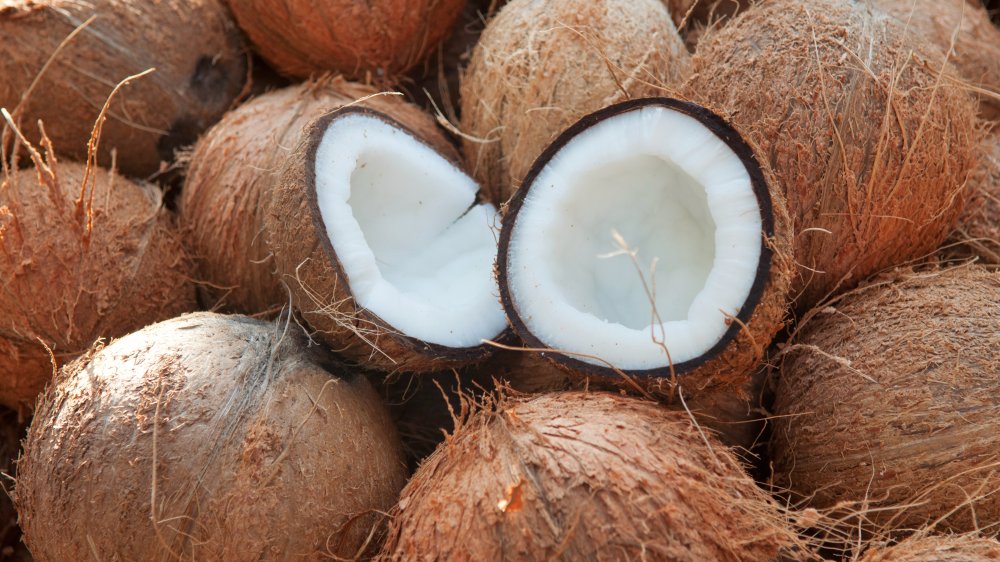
193 45
851 113
887 401
82 257
978 231
357 39
938 549
541 66
207 437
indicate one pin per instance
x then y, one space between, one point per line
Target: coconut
357 39
886 400
540 66
978 231
83 255
584 476
938 549
207 437
60 66
869 139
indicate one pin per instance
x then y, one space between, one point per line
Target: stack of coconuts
683 280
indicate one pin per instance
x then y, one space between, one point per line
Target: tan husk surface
193 45
978 231
887 400
869 138
938 549
584 476
80 259
356 38
540 66
207 437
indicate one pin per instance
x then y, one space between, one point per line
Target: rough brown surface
540 66
80 259
938 549
193 44
978 231
207 437
869 138
887 400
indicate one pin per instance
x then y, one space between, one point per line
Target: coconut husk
852 114
978 231
541 66
887 401
207 437
938 549
193 45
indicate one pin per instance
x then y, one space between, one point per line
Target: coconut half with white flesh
384 244
646 241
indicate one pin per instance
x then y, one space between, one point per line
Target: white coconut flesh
416 248
678 195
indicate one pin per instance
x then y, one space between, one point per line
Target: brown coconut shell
82 257
541 66
207 437
978 231
584 476
869 140
374 38
938 549
194 46
887 401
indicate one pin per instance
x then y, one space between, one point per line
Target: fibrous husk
887 401
938 549
354 38
870 137
207 437
82 256
978 231
540 66
584 476
193 45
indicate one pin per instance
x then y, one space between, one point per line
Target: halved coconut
676 185
382 241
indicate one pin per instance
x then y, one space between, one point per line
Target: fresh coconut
84 254
645 244
207 437
584 476
60 66
978 231
540 66
869 139
938 549
382 241
887 401
375 38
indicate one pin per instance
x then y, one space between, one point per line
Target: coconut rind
938 549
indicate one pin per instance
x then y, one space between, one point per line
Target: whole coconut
207 437
868 137
938 549
978 231
540 66
193 45
887 400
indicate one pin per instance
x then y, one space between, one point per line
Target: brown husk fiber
584 476
978 231
938 549
540 66
207 437
81 257
193 44
887 401
869 137
377 38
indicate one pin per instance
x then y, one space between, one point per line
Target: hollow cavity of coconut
645 243
381 240
887 400
938 549
207 437
868 137
82 256
193 45
584 476
978 231
541 66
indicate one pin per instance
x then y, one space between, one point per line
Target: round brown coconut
541 66
887 400
978 231
358 39
61 67
83 256
938 549
870 141
207 437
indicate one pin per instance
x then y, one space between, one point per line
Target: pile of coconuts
679 280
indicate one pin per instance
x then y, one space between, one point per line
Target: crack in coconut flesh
677 186
938 549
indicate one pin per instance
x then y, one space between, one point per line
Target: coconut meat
679 198
415 246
